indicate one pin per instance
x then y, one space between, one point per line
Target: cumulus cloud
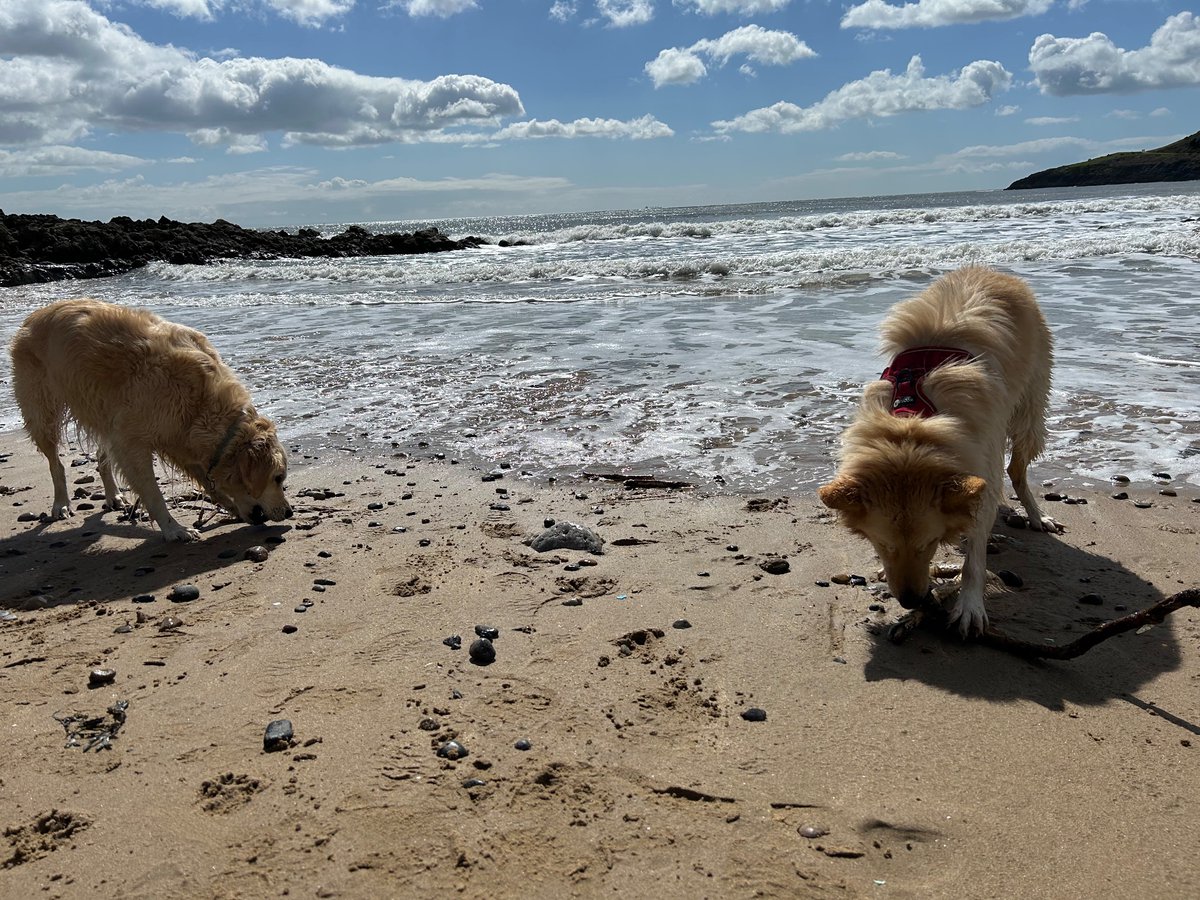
933 13
1007 110
562 10
640 129
879 94
65 70
1095 65
683 65
623 13
736 7
441 8
304 12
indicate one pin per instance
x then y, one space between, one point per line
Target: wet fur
140 386
909 485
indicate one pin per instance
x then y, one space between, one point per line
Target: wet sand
930 769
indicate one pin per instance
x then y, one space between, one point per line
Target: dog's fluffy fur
909 485
138 386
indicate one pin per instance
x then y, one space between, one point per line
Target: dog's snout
287 512
914 600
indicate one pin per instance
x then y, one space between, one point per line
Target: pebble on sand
183 593
567 536
278 735
101 677
754 714
483 652
256 554
452 750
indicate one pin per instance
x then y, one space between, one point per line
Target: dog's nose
257 516
913 600
287 513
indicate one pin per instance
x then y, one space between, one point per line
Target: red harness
907 374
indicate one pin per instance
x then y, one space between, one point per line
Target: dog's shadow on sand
1046 608
42 568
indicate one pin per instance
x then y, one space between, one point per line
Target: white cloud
1160 112
933 13
1095 65
1007 110
1051 120
441 8
304 12
676 66
562 10
870 156
682 65
643 128
623 13
60 160
737 7
1128 114
880 94
66 70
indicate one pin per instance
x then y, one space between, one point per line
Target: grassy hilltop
1179 161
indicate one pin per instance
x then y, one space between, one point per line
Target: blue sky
275 112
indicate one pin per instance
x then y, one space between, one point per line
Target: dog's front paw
177 532
61 511
1047 524
969 615
116 502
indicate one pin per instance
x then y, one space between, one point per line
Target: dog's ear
960 496
255 464
843 493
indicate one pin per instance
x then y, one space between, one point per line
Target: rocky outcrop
39 248
1179 161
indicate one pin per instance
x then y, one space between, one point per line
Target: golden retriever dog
923 463
138 386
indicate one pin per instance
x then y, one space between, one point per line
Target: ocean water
725 344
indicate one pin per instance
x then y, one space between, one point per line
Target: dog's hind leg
44 416
138 468
113 497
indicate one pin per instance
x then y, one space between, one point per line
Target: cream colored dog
139 386
923 463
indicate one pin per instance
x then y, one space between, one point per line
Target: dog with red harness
922 465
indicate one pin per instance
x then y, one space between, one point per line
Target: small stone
482 652
776 565
858 581
1165 476
290 629
876 607
454 642
681 624
812 831
183 593
300 608
123 629
499 507
573 601
374 506
1142 504
1120 479
278 735
473 783
170 623
568 536
1052 497
571 567
324 554
324 582
547 523
732 548
487 631
428 724
100 677
424 542
1119 495
143 598
754 714
143 570
840 578
1167 492
1012 579
821 583
1092 600
840 660
523 745
256 554
452 750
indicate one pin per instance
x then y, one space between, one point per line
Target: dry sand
937 769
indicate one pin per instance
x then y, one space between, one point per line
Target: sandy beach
605 748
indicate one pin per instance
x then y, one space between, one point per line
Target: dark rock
184 593
482 651
473 783
567 536
487 631
1166 476
454 642
858 581
573 601
278 736
523 744
681 624
144 598
1120 479
1092 600
776 565
452 750
754 714
812 831
256 554
100 677
1012 579
1120 495
289 629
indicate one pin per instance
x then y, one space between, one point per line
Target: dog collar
225 442
907 374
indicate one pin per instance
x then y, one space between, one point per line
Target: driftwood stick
639 481
993 637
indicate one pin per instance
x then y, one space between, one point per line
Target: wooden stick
993 637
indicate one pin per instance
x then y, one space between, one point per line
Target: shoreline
913 759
